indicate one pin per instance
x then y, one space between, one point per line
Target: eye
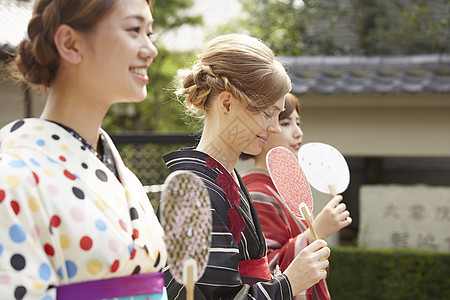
284 123
135 29
268 116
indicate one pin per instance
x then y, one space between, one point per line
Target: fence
142 153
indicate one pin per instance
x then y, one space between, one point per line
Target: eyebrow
139 17
280 109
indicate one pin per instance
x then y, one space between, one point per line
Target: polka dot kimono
65 217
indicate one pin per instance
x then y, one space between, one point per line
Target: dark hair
291 103
37 59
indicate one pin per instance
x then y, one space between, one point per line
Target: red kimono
284 233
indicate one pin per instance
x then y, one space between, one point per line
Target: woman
75 222
240 88
286 235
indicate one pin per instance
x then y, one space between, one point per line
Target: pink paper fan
289 179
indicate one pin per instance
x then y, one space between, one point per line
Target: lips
296 146
139 71
263 139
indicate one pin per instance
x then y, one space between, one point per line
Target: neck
83 117
260 161
211 144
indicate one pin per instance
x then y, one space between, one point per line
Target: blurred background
373 79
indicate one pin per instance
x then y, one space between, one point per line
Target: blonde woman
239 87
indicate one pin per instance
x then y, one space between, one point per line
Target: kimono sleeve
25 270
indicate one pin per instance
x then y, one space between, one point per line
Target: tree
159 112
366 27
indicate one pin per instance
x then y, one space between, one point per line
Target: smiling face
260 127
290 136
120 52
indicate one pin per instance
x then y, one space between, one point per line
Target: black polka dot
101 175
18 262
134 214
78 193
20 292
55 137
136 270
84 165
17 125
158 258
83 148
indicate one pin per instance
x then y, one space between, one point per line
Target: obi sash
254 270
134 285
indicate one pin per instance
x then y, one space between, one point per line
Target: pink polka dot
86 243
35 232
113 245
5 279
77 214
15 207
52 190
31 180
24 136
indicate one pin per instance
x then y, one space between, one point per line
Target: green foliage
357 273
311 27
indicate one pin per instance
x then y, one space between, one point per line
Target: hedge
358 274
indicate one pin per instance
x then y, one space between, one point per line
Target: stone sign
404 217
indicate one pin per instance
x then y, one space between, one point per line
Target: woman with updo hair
238 87
75 222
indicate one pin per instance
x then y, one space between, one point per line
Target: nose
298 132
275 127
148 50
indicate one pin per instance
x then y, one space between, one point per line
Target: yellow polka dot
39 128
65 241
10 145
64 147
48 172
149 231
34 204
118 200
101 204
94 266
38 285
13 181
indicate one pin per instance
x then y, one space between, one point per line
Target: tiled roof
375 74
14 17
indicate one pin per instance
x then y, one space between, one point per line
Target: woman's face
261 127
290 136
120 52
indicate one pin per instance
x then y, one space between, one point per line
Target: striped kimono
236 237
283 231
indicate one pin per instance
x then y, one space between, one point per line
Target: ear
224 102
67 41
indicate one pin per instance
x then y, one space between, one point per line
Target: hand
333 217
308 268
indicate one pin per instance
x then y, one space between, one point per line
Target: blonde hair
239 64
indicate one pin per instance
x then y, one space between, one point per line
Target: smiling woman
76 223
240 88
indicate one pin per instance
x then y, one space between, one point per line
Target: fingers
317 244
341 207
335 200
